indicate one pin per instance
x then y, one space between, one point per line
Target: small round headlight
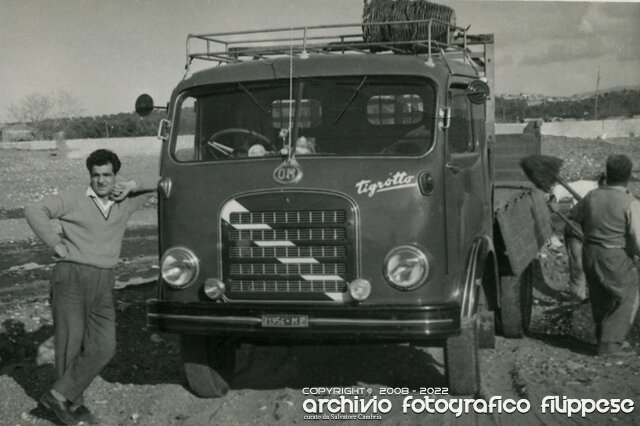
213 288
179 267
360 289
406 267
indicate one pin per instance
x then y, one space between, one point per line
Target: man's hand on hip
61 251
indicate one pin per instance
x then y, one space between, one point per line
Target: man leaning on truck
610 219
93 222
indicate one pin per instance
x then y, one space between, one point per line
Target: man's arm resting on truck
133 187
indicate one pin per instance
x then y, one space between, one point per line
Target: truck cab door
466 203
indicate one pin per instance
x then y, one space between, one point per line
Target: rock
572 365
135 417
155 338
46 352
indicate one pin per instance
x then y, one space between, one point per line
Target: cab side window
459 133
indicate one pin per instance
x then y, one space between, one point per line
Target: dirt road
144 382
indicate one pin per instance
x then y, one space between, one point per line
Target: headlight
406 267
360 289
179 267
214 288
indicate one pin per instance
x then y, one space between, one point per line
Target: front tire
462 359
516 298
486 323
209 364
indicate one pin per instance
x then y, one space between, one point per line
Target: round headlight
179 267
406 267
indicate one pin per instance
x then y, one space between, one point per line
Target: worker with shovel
610 220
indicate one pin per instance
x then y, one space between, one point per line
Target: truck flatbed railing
425 37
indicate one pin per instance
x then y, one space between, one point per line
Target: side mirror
478 92
144 105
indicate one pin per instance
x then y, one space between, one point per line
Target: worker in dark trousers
610 219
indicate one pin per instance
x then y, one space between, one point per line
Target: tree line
104 126
57 115
621 103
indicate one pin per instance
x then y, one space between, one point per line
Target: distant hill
575 95
624 102
610 89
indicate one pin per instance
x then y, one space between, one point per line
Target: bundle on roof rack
406 10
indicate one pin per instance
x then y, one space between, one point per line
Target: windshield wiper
350 101
253 98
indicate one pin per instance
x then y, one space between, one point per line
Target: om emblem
287 172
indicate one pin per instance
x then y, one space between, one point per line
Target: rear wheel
516 298
209 364
462 359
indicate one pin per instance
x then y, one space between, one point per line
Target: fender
481 250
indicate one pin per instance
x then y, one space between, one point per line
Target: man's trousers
613 289
84 324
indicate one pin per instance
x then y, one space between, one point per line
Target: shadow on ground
145 358
277 367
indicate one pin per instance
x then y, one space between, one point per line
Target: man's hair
618 169
102 157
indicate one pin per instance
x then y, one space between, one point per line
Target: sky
106 53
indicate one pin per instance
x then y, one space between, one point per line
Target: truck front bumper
246 321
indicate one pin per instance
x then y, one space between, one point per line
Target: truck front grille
287 255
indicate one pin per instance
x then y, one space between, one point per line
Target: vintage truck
318 187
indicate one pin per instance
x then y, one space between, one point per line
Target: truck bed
509 148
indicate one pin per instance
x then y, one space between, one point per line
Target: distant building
16 132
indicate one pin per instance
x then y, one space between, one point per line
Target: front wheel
209 364
462 359
516 298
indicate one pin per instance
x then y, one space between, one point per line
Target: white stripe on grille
275 243
338 297
232 207
297 260
251 226
322 277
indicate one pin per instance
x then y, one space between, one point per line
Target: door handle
454 169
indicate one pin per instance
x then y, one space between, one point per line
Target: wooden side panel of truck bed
521 218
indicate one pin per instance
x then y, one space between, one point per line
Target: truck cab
330 189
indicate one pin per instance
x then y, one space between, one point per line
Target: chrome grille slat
284 252
289 217
308 234
288 269
264 286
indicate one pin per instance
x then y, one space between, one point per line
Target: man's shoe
617 350
59 408
82 414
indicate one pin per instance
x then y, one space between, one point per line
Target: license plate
285 321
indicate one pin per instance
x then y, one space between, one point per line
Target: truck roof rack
428 37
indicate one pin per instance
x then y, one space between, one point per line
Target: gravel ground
144 383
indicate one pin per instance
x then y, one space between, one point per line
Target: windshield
348 116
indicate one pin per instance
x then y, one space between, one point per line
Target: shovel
544 171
